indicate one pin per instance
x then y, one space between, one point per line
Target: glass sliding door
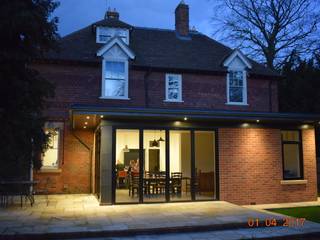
180 165
205 162
127 166
154 169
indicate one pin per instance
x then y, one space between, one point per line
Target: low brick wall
251 167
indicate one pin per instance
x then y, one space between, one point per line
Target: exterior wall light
185 118
88 117
84 127
258 121
101 116
245 125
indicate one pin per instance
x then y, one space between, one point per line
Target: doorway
165 165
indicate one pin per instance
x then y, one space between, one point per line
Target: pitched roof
156 48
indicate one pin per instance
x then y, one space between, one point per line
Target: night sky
76 14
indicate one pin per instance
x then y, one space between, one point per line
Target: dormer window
104 34
237 65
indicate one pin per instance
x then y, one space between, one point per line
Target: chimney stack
182 19
112 14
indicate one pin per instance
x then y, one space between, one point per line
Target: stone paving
82 213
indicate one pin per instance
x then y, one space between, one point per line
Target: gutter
196 114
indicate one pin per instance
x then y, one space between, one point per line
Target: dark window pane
291 154
290 136
115 70
115 88
236 94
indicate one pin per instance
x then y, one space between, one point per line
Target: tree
27 32
269 30
299 91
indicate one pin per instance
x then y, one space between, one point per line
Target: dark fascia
197 114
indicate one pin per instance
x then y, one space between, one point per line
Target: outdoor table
16 188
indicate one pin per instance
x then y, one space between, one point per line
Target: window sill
293 182
172 101
48 170
237 104
110 98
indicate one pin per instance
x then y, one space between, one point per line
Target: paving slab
81 215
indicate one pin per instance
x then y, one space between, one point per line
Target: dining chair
134 184
176 182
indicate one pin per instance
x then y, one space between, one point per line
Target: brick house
156 115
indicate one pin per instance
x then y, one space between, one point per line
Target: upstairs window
115 80
292 155
173 88
105 34
237 87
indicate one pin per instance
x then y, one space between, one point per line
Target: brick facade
199 91
74 175
250 172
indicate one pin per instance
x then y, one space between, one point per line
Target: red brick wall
251 167
82 85
74 172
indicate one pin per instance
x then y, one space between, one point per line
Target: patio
69 216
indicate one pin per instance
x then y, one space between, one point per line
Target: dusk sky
76 14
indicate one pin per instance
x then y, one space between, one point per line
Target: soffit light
88 117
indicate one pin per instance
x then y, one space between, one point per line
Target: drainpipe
270 96
146 87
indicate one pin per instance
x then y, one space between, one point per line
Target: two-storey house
156 115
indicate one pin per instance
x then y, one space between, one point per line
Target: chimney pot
112 14
182 19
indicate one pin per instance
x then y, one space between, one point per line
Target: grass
310 213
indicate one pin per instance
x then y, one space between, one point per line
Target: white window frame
167 88
58 126
244 90
126 74
112 34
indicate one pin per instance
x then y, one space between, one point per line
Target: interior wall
125 137
150 135
205 151
175 151
185 153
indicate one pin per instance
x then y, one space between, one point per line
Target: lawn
310 213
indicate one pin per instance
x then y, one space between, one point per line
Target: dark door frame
141 161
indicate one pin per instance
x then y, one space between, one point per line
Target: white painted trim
233 55
172 101
167 86
114 29
126 67
120 43
245 89
236 104
293 182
